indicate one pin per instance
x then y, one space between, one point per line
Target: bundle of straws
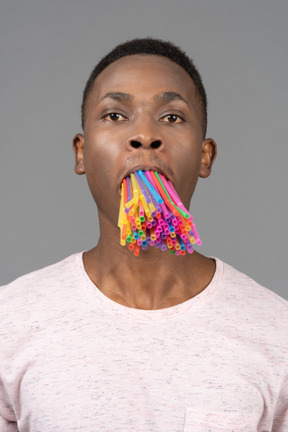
151 213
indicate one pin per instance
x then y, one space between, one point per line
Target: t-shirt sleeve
7 417
280 423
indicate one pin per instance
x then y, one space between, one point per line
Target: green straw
182 212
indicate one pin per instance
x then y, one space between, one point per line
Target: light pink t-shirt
71 359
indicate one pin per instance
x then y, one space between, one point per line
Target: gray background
48 50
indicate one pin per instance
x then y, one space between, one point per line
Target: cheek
100 161
100 155
188 163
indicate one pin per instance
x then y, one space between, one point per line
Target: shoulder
241 284
248 299
35 286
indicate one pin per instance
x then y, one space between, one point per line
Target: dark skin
143 111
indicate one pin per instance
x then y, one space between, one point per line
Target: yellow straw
191 238
128 229
134 187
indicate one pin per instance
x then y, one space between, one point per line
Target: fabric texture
71 359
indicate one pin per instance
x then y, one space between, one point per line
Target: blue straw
182 245
135 235
150 187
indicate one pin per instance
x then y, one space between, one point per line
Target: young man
106 341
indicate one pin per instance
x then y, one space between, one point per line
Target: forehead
141 73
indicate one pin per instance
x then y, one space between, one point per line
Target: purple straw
143 190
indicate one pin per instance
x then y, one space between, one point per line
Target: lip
145 168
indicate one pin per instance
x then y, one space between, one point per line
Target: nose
145 135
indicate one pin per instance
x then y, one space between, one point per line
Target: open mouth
152 213
145 168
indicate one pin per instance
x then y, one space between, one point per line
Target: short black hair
150 46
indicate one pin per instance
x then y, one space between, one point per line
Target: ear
209 152
78 147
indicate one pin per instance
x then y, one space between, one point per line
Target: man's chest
102 383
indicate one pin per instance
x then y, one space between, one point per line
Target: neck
153 280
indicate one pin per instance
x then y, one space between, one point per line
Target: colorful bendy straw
151 213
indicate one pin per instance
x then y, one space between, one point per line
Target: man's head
142 111
156 47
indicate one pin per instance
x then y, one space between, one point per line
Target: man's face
142 114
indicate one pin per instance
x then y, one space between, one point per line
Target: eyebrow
163 97
166 97
118 96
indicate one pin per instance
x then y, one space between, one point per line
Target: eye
172 118
115 117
